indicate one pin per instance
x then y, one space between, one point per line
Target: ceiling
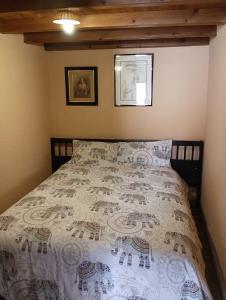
109 24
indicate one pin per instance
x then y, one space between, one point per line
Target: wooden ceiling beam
80 36
34 5
119 20
127 44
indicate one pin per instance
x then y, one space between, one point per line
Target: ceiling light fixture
67 20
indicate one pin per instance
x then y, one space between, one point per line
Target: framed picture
133 79
81 85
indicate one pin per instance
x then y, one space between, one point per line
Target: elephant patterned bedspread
100 230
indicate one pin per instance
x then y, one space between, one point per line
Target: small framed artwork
81 85
133 79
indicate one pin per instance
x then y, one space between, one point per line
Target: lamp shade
67 20
65 17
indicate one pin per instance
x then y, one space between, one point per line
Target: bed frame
186 159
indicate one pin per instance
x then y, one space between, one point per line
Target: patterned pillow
93 150
145 153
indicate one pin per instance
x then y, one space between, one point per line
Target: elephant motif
161 173
81 227
39 289
100 190
31 201
107 207
137 145
59 176
38 236
170 184
89 163
130 247
121 151
69 193
140 186
7 265
182 241
169 197
190 289
81 171
135 174
181 216
76 181
141 166
109 169
131 198
112 179
42 187
162 154
96 274
6 222
47 288
82 145
59 212
98 153
146 219
76 157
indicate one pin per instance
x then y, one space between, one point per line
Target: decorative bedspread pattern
100 230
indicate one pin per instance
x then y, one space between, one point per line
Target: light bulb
67 21
68 27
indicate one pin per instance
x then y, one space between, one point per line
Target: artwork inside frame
134 79
81 85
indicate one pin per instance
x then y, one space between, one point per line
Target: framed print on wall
81 85
133 79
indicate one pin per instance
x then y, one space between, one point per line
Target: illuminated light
67 20
68 27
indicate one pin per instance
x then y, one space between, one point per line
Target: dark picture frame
131 67
81 85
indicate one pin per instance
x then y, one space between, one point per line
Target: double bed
100 229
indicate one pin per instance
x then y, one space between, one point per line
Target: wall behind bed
179 100
214 173
24 125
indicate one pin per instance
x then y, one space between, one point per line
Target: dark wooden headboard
186 158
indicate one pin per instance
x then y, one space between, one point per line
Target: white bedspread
100 230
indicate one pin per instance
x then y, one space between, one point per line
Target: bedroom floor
211 273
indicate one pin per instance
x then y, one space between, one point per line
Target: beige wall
180 80
179 102
214 180
24 128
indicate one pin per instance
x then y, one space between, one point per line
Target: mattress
101 230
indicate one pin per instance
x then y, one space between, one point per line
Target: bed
99 229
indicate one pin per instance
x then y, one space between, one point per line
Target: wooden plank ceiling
115 23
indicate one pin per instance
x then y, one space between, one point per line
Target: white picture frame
133 79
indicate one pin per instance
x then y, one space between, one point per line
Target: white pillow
145 153
88 150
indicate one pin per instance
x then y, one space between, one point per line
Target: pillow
86 150
145 153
